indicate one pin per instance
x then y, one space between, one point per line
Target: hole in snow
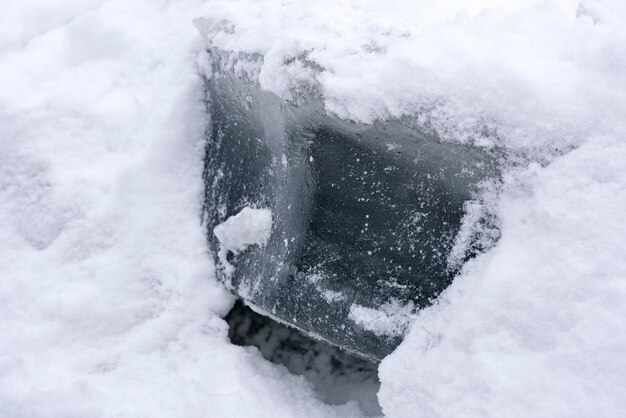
338 377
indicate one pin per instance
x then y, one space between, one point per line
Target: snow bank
108 301
522 74
536 326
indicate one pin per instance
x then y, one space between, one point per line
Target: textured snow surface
536 326
108 302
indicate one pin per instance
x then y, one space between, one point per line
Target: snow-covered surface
248 227
392 319
523 74
536 326
108 302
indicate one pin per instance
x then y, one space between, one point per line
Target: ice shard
363 215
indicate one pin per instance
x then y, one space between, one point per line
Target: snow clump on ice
248 227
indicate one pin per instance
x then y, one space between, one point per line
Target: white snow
391 320
248 227
109 305
108 301
537 325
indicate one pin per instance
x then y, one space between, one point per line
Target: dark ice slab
363 214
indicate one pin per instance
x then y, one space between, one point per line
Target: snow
392 319
248 227
547 77
536 325
108 301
